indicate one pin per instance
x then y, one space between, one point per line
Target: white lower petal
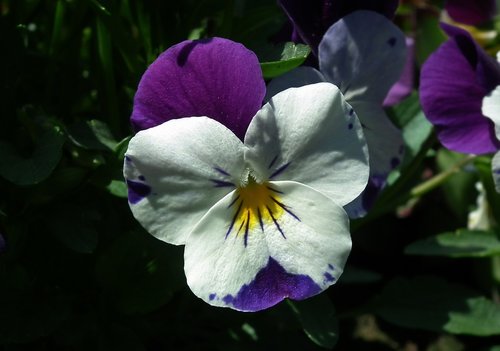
491 108
296 250
310 135
177 171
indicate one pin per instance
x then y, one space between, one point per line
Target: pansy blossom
463 110
259 209
363 54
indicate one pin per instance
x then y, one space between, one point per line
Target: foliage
77 272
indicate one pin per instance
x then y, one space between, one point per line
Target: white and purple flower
254 193
460 96
363 54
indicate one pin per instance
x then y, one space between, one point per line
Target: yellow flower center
256 205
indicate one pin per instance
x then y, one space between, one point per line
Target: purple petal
471 12
271 285
453 83
404 86
311 19
217 78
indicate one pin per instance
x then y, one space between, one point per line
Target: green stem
440 178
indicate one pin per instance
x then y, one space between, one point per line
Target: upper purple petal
471 12
312 18
453 83
217 78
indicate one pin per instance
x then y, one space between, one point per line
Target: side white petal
297 77
385 141
491 108
312 136
177 171
296 252
364 54
495 165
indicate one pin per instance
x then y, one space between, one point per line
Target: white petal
385 141
295 78
295 247
495 165
364 54
177 171
312 136
491 108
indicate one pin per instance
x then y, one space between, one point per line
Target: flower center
256 205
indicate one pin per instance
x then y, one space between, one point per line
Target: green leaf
318 318
428 36
354 275
92 135
74 227
40 164
459 189
140 273
415 127
462 243
431 303
292 56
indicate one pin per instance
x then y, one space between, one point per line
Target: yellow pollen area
256 206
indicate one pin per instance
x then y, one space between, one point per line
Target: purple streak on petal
137 191
212 296
221 183
471 12
328 277
280 170
271 285
404 86
311 18
453 83
217 78
330 266
372 190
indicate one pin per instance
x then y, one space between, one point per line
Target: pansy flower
363 54
471 12
255 193
311 19
454 83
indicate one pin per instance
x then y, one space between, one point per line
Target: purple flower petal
404 85
471 12
453 83
311 19
217 78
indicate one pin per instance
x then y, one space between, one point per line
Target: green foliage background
77 272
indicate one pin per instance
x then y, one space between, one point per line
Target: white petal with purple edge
178 170
495 165
363 62
297 77
491 109
293 242
312 136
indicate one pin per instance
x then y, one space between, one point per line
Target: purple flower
471 12
363 54
255 193
453 82
312 18
197 78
